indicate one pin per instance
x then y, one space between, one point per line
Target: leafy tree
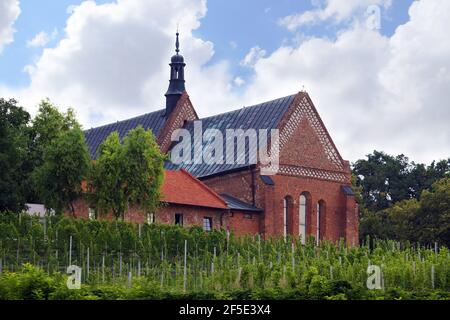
65 165
128 174
108 178
386 180
13 146
394 223
432 221
47 126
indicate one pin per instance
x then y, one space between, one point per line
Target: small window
151 218
248 216
179 219
207 224
92 214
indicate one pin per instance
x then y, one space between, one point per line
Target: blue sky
383 89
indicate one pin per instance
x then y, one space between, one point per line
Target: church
309 195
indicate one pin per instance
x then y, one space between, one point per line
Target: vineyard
127 261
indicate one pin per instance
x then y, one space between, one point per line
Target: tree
386 180
65 165
432 221
47 126
13 146
127 174
108 178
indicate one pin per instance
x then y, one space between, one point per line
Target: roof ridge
247 107
128 119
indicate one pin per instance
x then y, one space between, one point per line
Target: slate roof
348 190
179 187
153 121
236 204
266 115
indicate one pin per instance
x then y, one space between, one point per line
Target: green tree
65 165
47 126
14 139
386 180
128 174
432 221
108 178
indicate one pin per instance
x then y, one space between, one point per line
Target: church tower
176 86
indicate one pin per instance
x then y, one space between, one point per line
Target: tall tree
128 174
47 126
13 149
432 221
65 166
108 178
386 180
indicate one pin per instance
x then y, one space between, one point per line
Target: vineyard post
87 263
1 266
435 247
103 268
293 257
70 251
130 278
120 264
139 268
331 273
432 276
185 267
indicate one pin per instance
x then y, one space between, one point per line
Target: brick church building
310 195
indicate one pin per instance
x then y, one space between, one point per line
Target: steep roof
180 187
266 115
153 121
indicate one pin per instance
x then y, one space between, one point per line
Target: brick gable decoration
310 194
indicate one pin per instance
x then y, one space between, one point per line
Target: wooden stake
185 266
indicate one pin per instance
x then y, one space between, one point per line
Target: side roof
153 121
266 115
180 187
236 204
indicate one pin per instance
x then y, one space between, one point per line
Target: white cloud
253 56
373 92
112 61
42 39
9 12
239 81
336 10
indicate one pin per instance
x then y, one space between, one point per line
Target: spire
176 83
177 43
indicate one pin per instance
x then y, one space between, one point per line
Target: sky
378 71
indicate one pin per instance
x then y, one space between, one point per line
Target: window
287 205
248 216
320 219
151 218
179 219
302 218
207 224
92 214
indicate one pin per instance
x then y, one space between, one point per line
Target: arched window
302 218
285 216
320 219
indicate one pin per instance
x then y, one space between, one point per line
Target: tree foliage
14 138
65 165
386 179
127 174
